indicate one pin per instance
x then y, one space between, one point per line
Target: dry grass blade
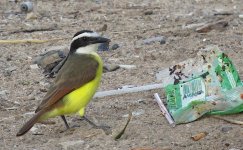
118 136
29 41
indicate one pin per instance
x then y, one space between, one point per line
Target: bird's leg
65 121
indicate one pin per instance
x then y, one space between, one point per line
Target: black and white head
86 41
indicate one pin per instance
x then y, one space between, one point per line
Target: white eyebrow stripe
93 34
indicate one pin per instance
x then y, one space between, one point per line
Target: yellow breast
78 99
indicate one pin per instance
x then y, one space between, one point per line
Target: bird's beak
102 40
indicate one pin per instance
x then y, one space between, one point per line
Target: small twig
29 41
34 30
229 120
38 134
11 108
117 32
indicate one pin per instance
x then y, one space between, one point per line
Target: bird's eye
85 38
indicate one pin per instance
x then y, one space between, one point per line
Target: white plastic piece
164 110
129 90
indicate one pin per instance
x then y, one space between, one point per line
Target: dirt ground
128 24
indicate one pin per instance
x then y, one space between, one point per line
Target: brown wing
77 71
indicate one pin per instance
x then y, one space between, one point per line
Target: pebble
50 59
8 71
149 12
151 40
114 46
241 16
104 47
226 129
34 66
3 92
110 68
11 69
31 16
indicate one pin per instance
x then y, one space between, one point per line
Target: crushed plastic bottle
211 85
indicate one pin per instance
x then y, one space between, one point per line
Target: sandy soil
22 88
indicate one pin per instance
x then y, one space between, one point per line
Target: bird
75 83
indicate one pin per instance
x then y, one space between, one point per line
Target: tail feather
28 125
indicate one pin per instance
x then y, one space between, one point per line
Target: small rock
162 42
9 58
103 28
24 82
8 71
103 47
3 93
241 16
149 12
11 69
160 39
33 129
34 66
226 129
68 144
114 47
50 59
31 16
110 68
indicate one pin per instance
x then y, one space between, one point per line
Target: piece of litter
208 84
127 66
199 136
26 6
136 113
164 110
128 90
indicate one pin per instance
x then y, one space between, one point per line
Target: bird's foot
106 129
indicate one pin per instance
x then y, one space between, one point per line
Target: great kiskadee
76 82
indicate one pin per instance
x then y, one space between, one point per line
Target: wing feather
70 77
